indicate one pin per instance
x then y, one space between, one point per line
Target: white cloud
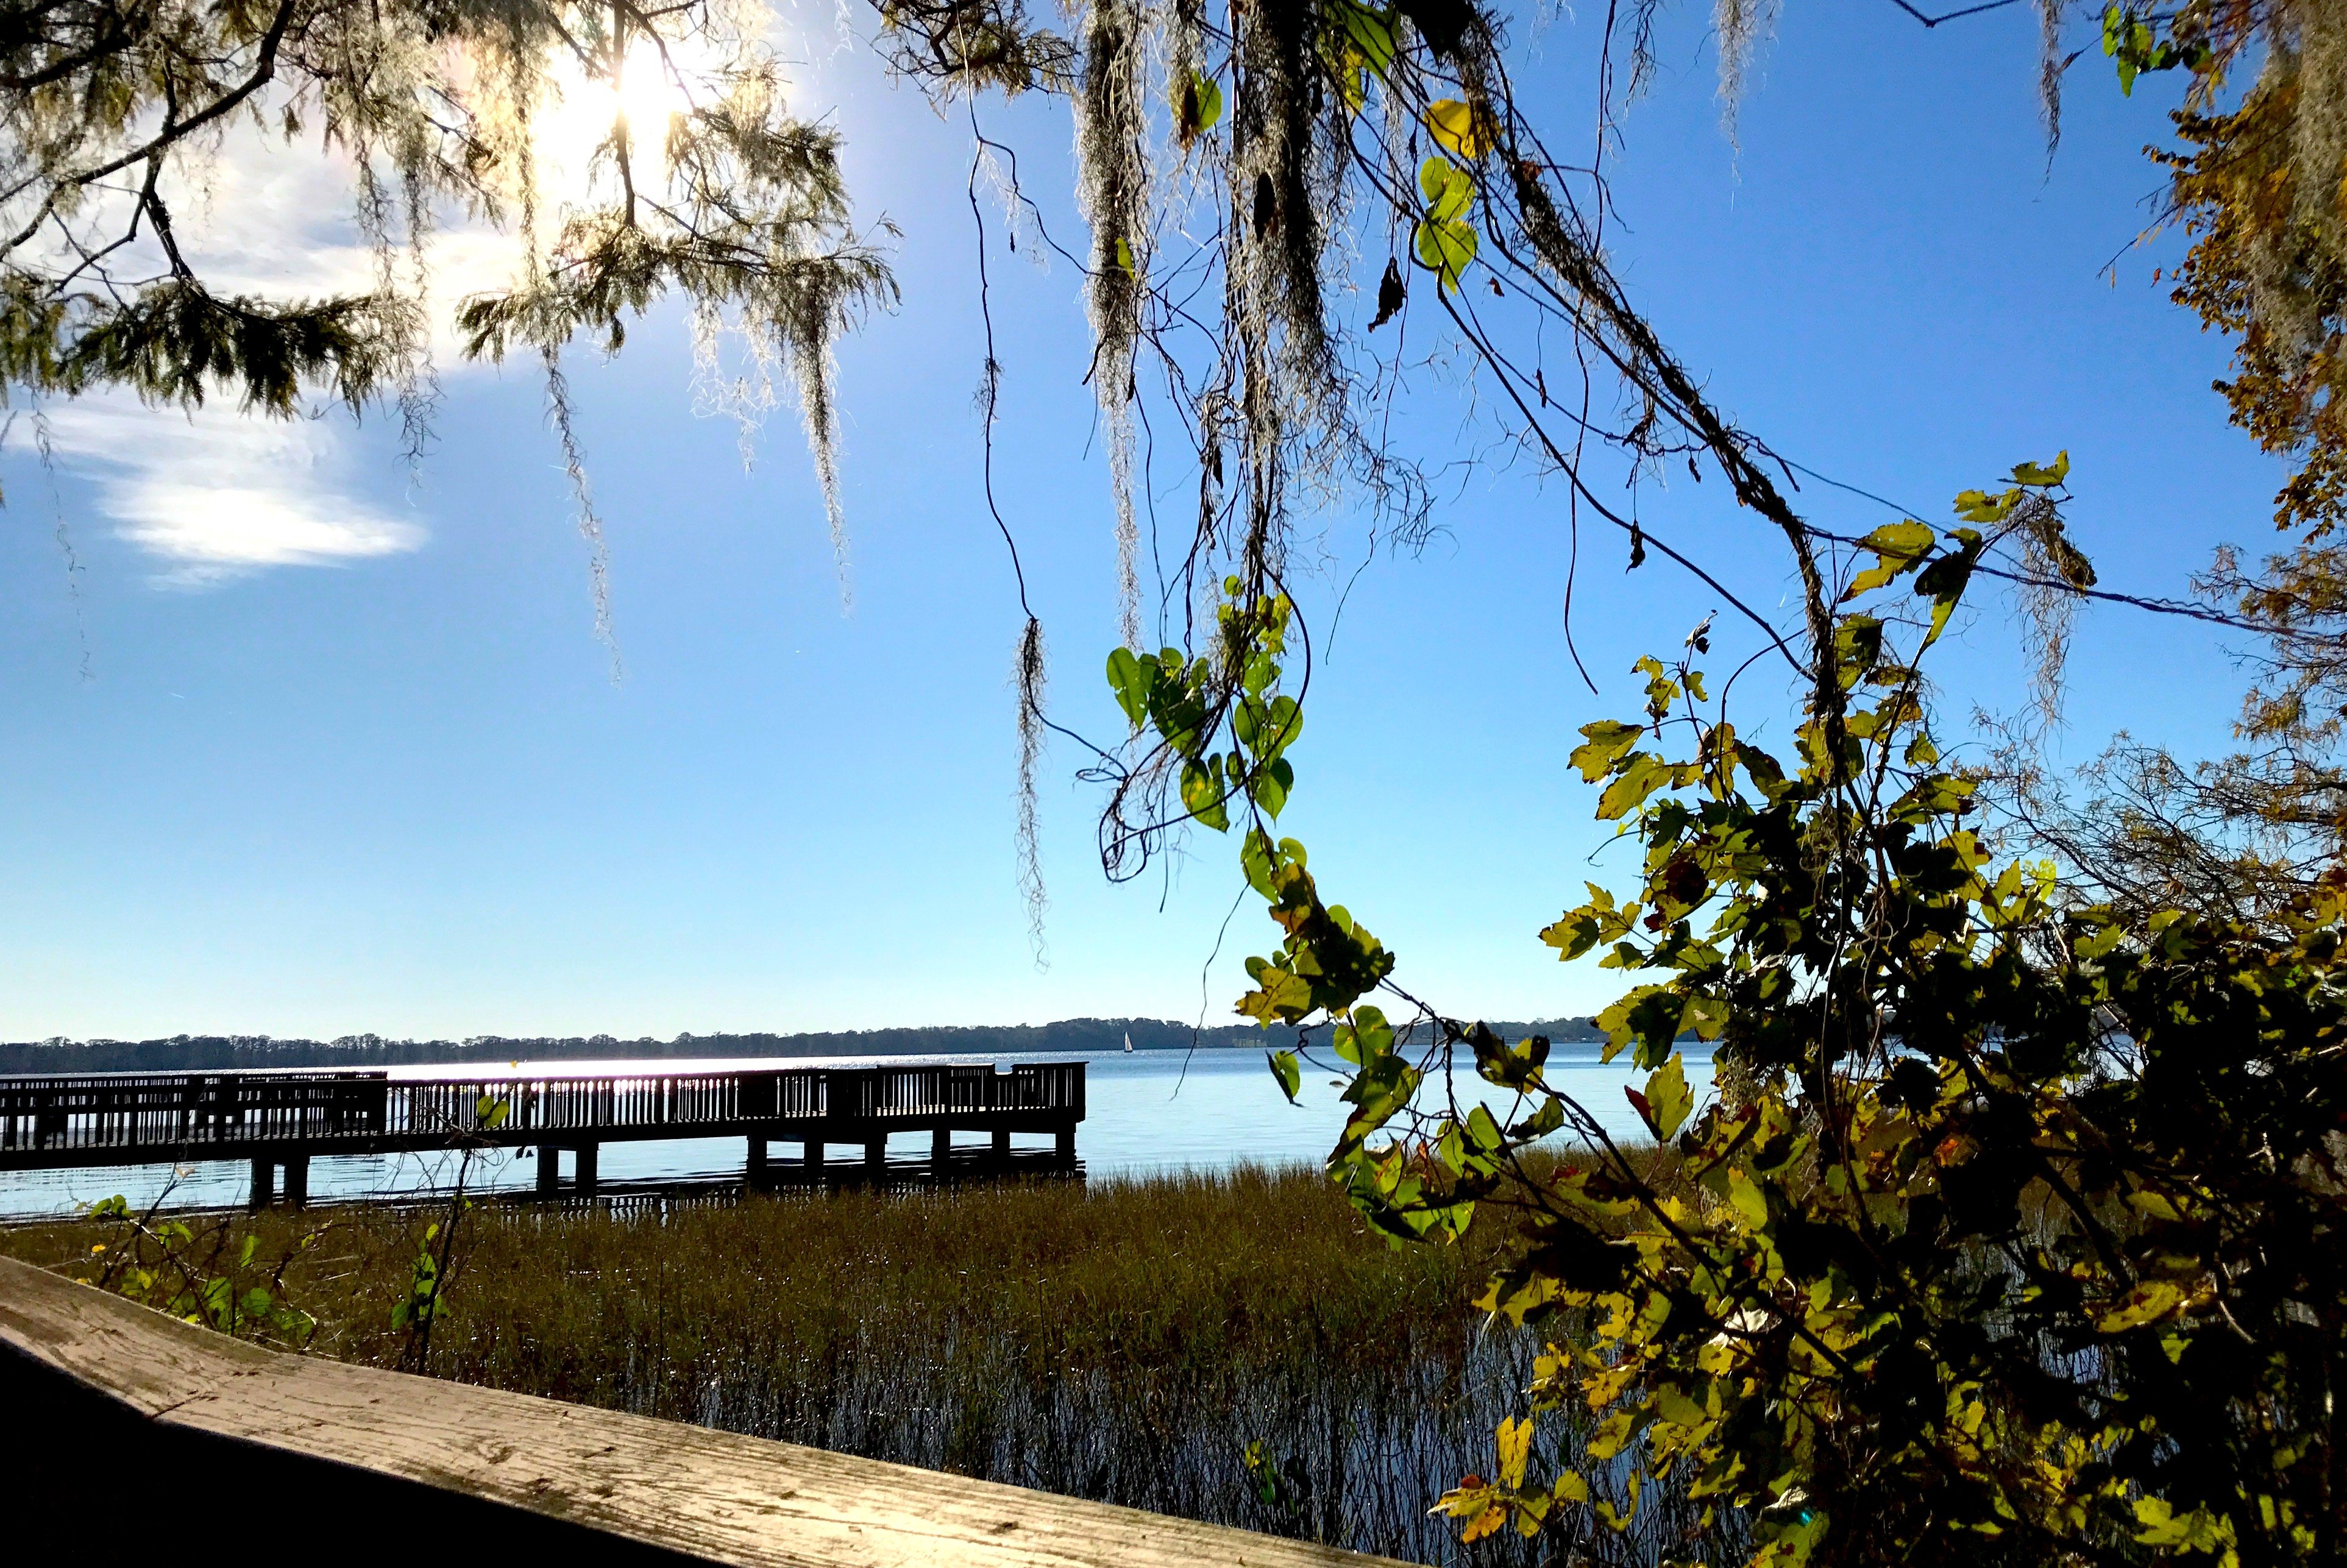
280 221
220 493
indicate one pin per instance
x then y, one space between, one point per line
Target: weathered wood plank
710 1495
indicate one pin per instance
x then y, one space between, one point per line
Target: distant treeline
184 1052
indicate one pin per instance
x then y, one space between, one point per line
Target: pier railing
166 1110
183 1112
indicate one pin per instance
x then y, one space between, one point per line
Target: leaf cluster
2011 1233
199 1271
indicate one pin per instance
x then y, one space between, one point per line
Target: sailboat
1128 1040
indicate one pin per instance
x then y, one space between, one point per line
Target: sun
653 87
649 91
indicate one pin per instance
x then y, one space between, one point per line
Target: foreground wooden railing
120 1426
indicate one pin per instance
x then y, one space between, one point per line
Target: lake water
1147 1112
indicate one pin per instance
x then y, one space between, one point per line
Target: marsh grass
1126 1341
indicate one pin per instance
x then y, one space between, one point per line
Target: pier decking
281 1120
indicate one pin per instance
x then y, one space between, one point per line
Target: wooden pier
281 1120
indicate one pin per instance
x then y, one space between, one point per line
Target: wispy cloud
223 494
220 493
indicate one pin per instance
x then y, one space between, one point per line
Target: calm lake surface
1146 1112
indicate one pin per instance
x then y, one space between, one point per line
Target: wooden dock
127 1431
281 1120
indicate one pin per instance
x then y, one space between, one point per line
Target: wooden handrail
301 1430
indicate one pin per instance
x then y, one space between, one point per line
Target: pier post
549 1170
753 1174
586 1178
815 1155
940 1153
1063 1144
264 1184
876 1156
297 1180
1002 1145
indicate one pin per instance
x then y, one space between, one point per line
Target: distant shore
204 1052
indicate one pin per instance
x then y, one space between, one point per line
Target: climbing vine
2011 1234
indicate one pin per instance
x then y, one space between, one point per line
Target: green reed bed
1230 1348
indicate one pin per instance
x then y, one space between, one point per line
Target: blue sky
346 756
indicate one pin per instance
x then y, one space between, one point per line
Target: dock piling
264 1184
753 1174
585 1171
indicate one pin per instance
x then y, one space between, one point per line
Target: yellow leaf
1980 507
1641 774
1898 548
1485 1524
1613 1434
2146 1303
1515 1451
1459 128
1602 1389
1748 1200
1675 1406
2052 473
1466 1500
1668 1099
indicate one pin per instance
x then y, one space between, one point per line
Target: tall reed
1229 1348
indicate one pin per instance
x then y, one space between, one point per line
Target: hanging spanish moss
45 448
2054 571
590 525
2302 96
415 391
812 366
1112 189
2049 73
1743 25
757 237
745 398
1030 677
1287 202
1190 94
